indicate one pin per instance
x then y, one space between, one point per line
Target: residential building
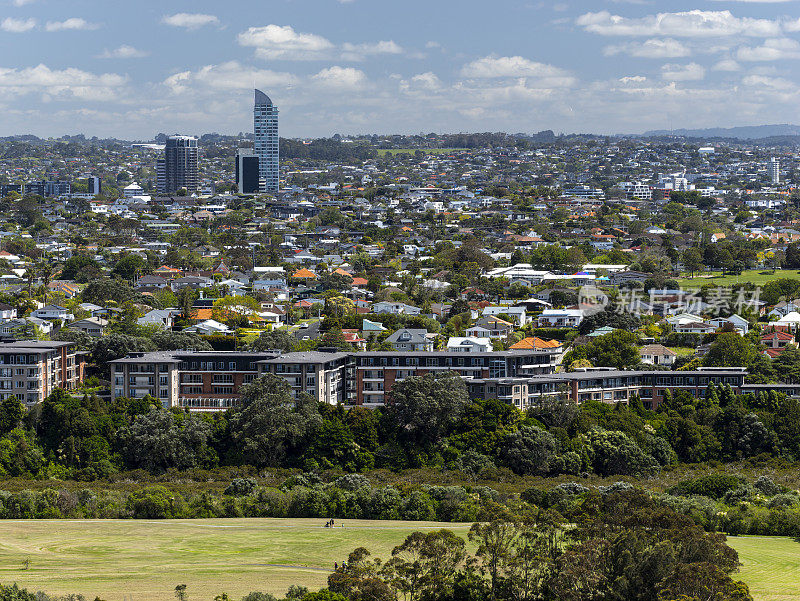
265 124
247 173
657 354
31 369
410 339
321 375
560 318
469 344
94 326
178 167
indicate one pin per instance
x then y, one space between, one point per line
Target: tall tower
775 170
265 125
178 168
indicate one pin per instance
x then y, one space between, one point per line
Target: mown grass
757 277
132 560
770 566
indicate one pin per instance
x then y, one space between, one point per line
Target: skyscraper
265 124
178 168
775 170
247 176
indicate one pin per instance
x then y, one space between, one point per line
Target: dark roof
262 98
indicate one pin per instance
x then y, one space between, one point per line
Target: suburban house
490 327
657 354
407 339
396 308
468 344
560 318
94 326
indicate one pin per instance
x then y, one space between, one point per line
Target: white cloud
12 25
357 52
727 64
61 84
633 79
770 83
123 51
189 20
509 66
422 83
770 50
652 48
22 2
340 77
693 23
73 23
283 42
230 75
690 72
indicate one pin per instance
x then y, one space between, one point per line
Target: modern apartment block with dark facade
31 369
178 167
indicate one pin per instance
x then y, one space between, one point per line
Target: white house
468 344
740 324
560 318
50 312
396 308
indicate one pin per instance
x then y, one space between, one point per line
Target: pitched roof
535 342
304 273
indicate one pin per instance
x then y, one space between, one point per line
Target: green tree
692 260
426 409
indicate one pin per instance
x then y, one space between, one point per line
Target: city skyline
359 67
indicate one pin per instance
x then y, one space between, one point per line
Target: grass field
759 277
770 566
138 560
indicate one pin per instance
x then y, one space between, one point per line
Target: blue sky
131 69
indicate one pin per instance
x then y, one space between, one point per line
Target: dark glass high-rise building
265 125
178 168
247 175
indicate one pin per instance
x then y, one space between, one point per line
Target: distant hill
741 133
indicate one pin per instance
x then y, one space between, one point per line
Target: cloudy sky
132 69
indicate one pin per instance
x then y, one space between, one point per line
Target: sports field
757 277
770 566
138 560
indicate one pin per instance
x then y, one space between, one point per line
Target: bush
712 485
156 502
352 482
767 486
240 487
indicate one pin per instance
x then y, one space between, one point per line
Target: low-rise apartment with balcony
31 369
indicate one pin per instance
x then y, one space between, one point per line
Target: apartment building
376 372
197 380
607 385
322 375
211 381
31 370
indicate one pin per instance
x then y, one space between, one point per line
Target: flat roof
307 357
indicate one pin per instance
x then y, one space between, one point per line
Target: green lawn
770 566
144 560
759 277
139 559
